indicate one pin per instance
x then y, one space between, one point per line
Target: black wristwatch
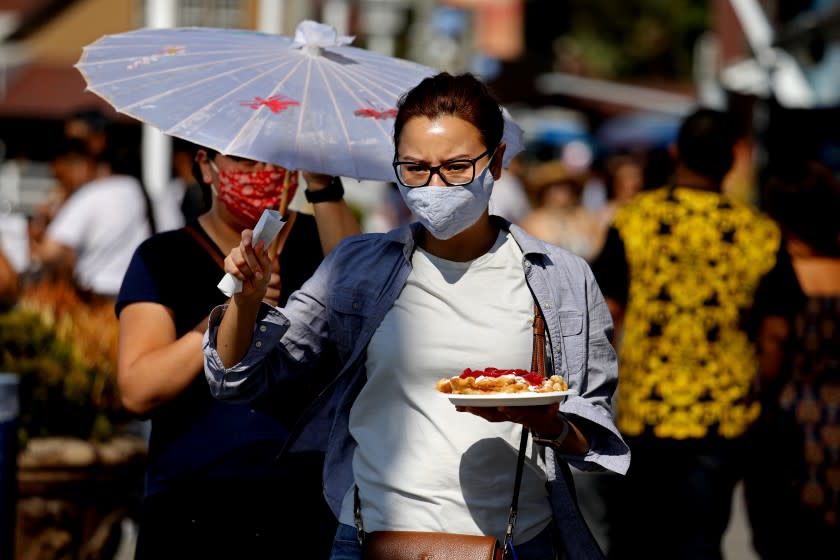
333 192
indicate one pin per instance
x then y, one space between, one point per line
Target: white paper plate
509 399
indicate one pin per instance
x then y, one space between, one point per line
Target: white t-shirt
420 465
167 206
103 222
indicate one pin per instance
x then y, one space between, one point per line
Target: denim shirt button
258 344
263 328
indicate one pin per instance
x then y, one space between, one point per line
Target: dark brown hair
463 96
805 199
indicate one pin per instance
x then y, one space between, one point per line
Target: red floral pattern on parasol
375 114
276 103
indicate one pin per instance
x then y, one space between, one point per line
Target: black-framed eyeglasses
455 173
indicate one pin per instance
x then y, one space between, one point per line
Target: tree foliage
633 39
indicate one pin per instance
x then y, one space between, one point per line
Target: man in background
681 270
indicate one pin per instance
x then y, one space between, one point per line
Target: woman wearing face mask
395 312
208 458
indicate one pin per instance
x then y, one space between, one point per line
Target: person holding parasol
208 458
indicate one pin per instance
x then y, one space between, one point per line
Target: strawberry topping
531 378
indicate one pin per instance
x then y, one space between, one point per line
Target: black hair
94 118
181 145
71 147
206 189
122 158
805 200
706 141
463 96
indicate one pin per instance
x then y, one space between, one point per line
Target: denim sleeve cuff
607 448
225 383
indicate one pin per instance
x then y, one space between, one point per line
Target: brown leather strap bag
419 545
415 545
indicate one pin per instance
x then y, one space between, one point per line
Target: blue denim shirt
338 309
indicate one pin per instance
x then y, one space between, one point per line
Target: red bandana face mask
246 194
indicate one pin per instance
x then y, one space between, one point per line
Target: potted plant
64 351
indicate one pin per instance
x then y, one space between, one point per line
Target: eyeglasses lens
454 173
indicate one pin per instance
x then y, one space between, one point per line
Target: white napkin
267 228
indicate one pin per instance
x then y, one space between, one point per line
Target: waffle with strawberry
494 381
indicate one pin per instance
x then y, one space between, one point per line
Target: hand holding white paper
267 228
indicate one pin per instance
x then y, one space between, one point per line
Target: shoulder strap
538 352
280 240
568 497
538 366
202 241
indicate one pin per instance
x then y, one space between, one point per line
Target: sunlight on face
438 140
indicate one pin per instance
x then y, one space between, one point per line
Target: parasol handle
274 248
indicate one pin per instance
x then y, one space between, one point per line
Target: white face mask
447 211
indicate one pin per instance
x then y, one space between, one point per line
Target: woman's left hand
542 419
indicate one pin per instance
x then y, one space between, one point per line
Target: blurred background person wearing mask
214 485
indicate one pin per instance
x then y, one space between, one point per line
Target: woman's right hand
251 265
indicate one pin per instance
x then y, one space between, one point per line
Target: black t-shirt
610 268
195 435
